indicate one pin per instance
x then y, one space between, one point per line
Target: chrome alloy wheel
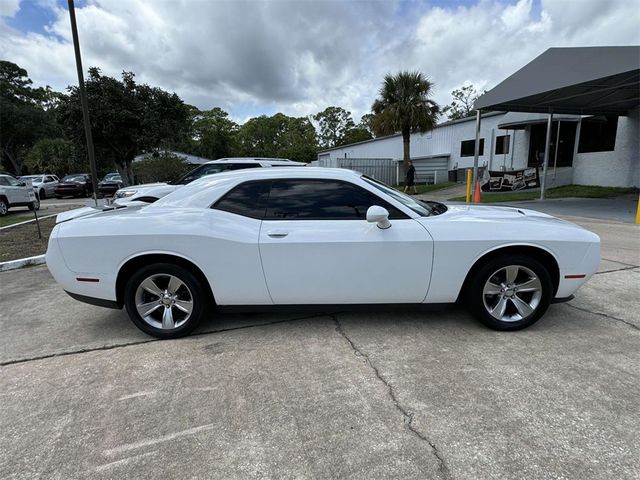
164 301
512 293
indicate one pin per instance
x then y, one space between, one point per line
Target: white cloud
8 8
300 56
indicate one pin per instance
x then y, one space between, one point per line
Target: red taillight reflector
85 279
582 275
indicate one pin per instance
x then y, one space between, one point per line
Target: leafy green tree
25 116
356 134
334 122
54 155
126 119
214 134
366 122
462 104
405 105
164 167
278 136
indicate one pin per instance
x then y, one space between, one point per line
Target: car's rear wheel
165 300
510 292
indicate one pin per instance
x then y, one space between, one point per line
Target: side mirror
379 215
22 184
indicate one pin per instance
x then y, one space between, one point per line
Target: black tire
42 194
196 291
475 297
4 207
59 197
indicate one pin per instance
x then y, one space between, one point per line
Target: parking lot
377 393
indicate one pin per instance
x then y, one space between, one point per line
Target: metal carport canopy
580 81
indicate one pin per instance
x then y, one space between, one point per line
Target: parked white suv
14 193
43 185
150 192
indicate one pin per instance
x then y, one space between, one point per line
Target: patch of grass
566 191
427 188
22 241
17 217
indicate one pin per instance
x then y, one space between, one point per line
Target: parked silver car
14 193
43 184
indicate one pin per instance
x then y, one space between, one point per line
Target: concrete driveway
380 393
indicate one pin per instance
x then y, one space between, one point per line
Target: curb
21 262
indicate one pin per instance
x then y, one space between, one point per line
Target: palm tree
405 106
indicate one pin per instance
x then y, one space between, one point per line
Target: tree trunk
14 162
129 167
406 138
123 173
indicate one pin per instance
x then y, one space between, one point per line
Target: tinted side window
241 166
248 199
322 200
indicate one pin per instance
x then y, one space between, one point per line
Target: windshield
201 171
421 207
73 178
112 177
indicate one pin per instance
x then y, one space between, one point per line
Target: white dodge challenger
315 236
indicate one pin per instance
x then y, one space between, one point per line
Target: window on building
598 134
322 200
467 148
502 144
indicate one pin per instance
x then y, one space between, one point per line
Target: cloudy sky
298 57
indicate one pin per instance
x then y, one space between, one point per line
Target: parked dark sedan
109 184
75 185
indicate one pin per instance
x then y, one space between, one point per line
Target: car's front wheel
165 300
510 292
4 207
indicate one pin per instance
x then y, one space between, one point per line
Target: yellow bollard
638 211
469 174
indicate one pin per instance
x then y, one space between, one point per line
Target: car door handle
277 234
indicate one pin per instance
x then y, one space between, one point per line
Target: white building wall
443 140
619 168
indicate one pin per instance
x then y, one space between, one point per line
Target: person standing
410 177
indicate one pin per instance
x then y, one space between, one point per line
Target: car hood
499 215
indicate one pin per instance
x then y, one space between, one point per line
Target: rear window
248 199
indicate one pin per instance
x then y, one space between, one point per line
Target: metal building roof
581 80
520 120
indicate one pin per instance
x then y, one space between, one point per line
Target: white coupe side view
314 236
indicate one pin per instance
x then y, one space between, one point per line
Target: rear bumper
108 189
99 302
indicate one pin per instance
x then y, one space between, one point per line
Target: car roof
191 193
278 161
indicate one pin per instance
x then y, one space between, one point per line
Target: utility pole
476 152
83 101
547 145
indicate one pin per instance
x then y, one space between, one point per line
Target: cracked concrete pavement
379 393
